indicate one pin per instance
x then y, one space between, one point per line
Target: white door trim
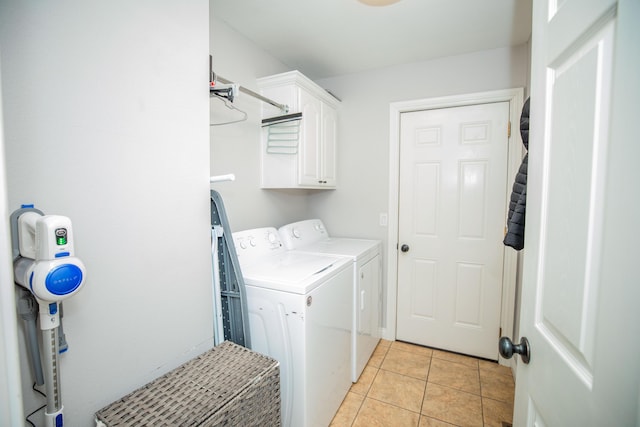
515 99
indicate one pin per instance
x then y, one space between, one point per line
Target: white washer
311 236
300 314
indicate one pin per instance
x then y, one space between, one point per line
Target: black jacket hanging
518 202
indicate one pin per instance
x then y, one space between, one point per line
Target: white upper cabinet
299 154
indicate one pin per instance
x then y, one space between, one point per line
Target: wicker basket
228 385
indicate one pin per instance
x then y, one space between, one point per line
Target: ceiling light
378 2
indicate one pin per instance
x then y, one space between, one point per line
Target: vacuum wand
28 311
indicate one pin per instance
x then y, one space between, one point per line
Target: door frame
515 98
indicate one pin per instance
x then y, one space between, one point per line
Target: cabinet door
310 143
329 140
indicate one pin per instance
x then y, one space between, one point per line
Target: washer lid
292 271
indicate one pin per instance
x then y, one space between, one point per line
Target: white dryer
300 314
311 236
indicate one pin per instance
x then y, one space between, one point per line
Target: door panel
453 187
567 306
310 127
329 144
577 294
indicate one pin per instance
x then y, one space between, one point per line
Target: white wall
235 148
106 121
11 408
364 125
352 209
363 151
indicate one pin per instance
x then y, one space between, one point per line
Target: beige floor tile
496 412
497 387
452 406
364 382
494 368
384 343
378 356
412 348
348 410
374 413
398 390
406 363
457 358
432 422
455 375
391 390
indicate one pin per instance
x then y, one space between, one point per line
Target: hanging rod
222 178
282 107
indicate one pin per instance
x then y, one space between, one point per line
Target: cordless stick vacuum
44 264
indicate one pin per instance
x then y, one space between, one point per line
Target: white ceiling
324 38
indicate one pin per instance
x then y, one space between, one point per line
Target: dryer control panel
302 233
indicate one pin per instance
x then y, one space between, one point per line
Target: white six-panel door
580 285
452 200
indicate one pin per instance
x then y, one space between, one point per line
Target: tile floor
409 385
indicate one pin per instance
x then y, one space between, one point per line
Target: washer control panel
257 242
